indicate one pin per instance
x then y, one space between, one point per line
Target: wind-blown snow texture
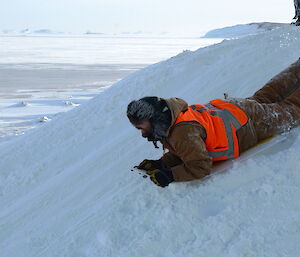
67 190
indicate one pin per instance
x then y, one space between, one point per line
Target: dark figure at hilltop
297 12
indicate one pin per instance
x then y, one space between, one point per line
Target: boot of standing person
297 12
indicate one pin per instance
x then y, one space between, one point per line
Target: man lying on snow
198 135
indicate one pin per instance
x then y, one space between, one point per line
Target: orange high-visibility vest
221 120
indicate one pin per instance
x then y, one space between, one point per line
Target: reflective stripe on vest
220 120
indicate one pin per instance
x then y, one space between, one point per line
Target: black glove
149 165
162 177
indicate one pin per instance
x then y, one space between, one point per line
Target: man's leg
280 86
275 118
293 101
286 114
276 107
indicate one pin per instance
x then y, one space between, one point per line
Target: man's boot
297 23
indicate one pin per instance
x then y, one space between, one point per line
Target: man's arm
191 150
170 160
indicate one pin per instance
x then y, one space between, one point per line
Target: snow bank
243 30
66 189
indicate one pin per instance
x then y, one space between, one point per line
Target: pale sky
113 16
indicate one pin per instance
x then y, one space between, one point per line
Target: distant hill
46 31
29 32
242 30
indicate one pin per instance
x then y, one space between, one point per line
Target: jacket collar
176 106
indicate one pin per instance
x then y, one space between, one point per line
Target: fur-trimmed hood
175 105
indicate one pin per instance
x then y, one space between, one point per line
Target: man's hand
161 178
148 165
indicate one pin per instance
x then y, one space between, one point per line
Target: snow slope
67 190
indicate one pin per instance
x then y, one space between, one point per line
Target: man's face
145 128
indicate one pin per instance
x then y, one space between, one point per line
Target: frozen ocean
44 75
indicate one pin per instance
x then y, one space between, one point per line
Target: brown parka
271 110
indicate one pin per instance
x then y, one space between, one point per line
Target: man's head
151 115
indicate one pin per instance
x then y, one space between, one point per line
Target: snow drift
67 190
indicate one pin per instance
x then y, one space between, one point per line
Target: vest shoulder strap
221 121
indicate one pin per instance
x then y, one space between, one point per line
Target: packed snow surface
67 190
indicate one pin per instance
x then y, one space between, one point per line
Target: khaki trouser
275 108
